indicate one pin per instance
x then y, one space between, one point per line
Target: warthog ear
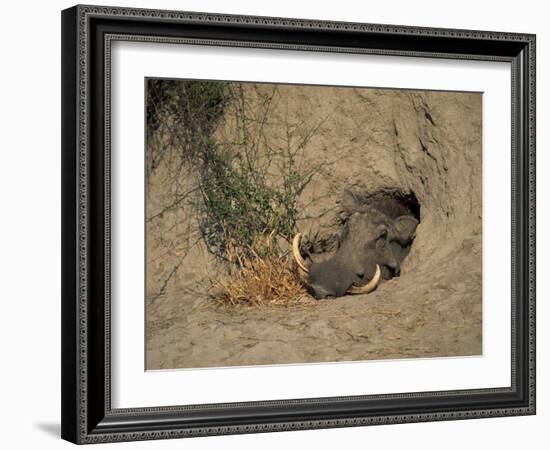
404 228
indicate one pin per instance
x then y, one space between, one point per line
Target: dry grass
263 278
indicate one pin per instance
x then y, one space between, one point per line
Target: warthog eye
360 275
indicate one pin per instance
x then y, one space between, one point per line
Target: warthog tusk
369 286
296 253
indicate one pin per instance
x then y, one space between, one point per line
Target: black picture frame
87 415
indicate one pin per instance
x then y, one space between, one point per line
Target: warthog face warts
372 247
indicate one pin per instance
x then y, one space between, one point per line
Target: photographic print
333 201
294 224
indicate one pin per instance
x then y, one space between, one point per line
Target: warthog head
373 244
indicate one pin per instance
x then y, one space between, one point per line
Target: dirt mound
421 144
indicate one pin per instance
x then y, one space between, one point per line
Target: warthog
377 236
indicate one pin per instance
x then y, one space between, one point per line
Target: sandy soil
425 142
